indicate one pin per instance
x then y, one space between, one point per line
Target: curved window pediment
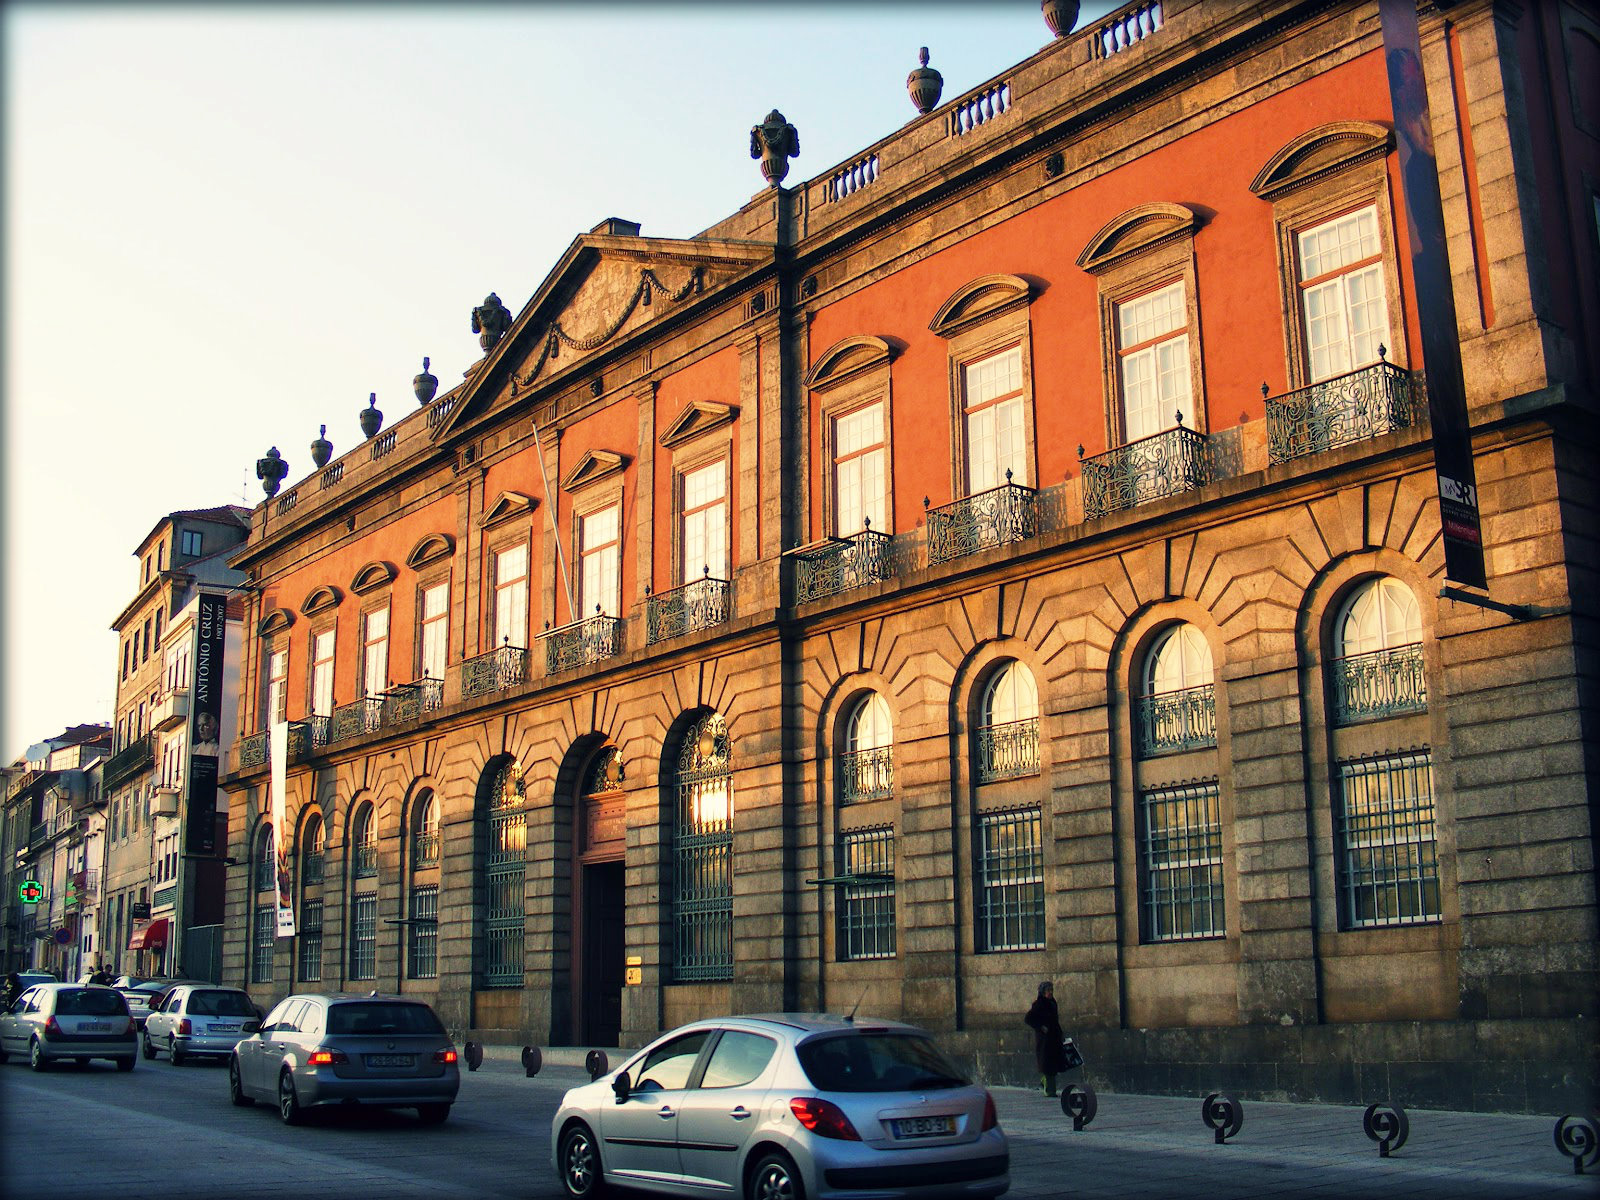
320 599
1140 228
985 297
431 548
847 359
373 576
1319 151
275 621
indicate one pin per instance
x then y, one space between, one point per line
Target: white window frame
1347 348
599 561
322 670
375 652
508 601
706 520
1153 373
433 629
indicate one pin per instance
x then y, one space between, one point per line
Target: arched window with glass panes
1006 739
363 929
422 904
1377 666
866 764
1177 700
702 854
265 932
308 920
503 904
864 867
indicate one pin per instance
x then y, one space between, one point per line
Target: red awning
151 936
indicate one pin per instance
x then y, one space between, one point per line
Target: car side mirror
622 1086
263 1030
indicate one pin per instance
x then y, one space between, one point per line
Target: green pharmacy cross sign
30 891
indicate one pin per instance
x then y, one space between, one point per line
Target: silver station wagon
781 1106
382 1051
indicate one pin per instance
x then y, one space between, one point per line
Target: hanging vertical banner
278 752
205 725
1436 304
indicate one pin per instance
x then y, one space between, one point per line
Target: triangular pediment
593 465
847 359
374 575
320 600
609 286
1319 151
431 548
1138 229
506 506
698 417
986 296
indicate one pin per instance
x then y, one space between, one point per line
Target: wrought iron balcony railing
408 701
1163 464
993 518
1383 683
366 860
425 849
866 774
503 667
1181 720
581 643
1348 408
133 758
702 604
841 564
354 719
1006 751
252 751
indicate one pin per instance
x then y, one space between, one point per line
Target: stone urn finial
424 385
321 449
925 84
1060 15
774 142
490 321
271 471
371 417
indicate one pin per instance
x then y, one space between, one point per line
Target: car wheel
775 1178
433 1114
236 1085
177 1055
288 1103
36 1058
145 1047
581 1174
127 1064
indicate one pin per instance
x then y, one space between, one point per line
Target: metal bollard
1579 1139
597 1064
1223 1115
532 1060
474 1055
1387 1125
1078 1102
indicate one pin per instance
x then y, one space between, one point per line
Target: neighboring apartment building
184 555
55 825
1013 553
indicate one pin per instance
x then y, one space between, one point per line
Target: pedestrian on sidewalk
1045 1021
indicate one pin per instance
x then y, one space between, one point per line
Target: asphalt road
170 1134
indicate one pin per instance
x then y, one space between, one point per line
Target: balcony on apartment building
82 889
172 710
1151 468
133 758
1347 408
700 604
582 643
501 668
996 517
841 564
356 718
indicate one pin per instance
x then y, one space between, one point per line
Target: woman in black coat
1045 1022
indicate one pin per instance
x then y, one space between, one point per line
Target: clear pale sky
225 226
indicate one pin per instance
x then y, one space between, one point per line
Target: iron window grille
1387 854
364 938
1006 751
265 942
422 934
1181 720
702 898
866 774
1382 683
866 909
1010 880
311 867
366 858
1180 863
311 942
505 834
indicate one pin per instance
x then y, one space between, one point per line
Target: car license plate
389 1060
921 1127
224 1028
94 1027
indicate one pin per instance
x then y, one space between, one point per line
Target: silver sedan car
198 1020
381 1051
781 1106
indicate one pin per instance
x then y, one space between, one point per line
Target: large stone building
1012 553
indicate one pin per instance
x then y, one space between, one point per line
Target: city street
162 1132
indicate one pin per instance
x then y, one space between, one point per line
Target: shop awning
150 936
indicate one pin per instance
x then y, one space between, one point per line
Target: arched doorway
599 910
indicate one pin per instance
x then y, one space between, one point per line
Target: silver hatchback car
380 1051
784 1105
55 1021
198 1020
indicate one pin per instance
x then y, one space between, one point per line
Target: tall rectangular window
364 938
859 460
422 934
866 909
322 645
704 518
511 597
1342 293
991 392
1010 880
375 652
1387 860
600 558
311 942
435 634
1180 863
277 685
266 940
1153 357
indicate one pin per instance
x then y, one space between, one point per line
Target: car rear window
90 1002
220 1004
380 1017
877 1062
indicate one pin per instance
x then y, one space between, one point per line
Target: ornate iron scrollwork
841 565
1181 720
1151 468
1579 1139
996 517
582 643
1007 751
1223 1115
605 773
501 668
702 604
1387 1125
1079 1102
1383 683
1348 408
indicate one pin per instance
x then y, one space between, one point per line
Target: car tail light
444 1056
326 1058
51 1027
823 1118
184 1027
990 1117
